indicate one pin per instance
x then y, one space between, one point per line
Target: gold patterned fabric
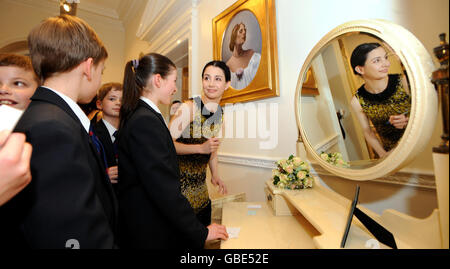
193 166
394 100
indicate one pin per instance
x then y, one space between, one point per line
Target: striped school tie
115 147
98 145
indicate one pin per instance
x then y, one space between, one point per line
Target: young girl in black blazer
153 212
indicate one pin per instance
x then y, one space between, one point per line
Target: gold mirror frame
419 67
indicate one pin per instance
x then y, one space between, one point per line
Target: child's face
110 105
17 85
168 88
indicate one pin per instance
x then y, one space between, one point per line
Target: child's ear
157 80
99 104
87 65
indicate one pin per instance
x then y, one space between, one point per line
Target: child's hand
113 173
216 231
14 165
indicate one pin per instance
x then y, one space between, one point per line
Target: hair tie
135 64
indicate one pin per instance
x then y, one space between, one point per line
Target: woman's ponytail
131 93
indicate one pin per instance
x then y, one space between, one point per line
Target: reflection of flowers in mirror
334 158
292 174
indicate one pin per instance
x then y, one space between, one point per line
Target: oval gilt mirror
365 105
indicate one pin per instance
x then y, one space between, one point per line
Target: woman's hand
216 181
399 121
210 146
216 231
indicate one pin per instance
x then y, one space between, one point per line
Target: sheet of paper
254 206
233 232
251 212
9 117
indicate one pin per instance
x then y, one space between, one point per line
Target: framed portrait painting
244 37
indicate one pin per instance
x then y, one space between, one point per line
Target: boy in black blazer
70 202
109 98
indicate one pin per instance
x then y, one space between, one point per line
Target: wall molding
405 178
326 144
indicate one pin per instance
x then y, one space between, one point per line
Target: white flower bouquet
292 174
334 158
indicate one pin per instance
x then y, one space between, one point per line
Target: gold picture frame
260 16
309 87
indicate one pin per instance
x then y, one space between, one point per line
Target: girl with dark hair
195 129
153 212
383 100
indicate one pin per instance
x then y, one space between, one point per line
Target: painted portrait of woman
241 48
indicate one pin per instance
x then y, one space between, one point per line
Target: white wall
300 25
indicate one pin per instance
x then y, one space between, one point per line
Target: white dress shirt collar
150 103
111 129
75 108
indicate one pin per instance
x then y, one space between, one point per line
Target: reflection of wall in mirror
342 94
319 117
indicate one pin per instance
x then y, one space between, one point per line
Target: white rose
289 168
275 172
301 174
297 161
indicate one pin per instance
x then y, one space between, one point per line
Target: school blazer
153 212
103 135
70 201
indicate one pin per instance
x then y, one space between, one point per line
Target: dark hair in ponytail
135 79
221 65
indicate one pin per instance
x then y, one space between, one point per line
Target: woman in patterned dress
195 128
383 99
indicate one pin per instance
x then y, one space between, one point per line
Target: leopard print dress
193 166
394 100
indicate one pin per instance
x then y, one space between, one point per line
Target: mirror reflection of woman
243 63
195 128
383 100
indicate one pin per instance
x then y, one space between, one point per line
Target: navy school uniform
108 148
153 212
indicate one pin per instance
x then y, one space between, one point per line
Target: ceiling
116 12
170 39
116 9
